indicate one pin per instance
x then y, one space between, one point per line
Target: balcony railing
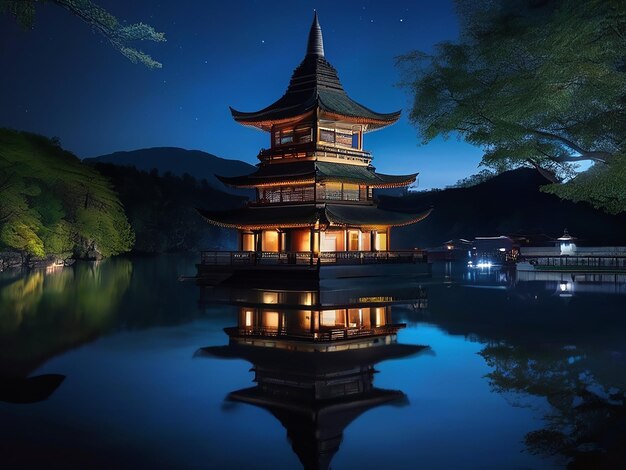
312 149
576 261
323 334
307 258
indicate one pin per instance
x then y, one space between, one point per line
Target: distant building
494 250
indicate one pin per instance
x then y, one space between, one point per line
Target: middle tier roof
310 171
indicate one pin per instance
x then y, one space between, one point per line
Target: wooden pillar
316 240
258 240
345 240
373 240
388 238
312 240
287 241
280 241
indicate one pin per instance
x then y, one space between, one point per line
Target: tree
533 82
118 35
51 203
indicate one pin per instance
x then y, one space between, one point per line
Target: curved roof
256 218
315 171
315 85
371 216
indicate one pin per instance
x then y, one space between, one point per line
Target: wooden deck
307 258
216 267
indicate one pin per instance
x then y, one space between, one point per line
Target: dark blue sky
61 79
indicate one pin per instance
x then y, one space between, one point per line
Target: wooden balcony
324 334
311 150
307 258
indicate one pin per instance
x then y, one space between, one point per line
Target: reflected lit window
270 297
270 319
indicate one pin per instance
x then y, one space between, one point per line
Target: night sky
61 79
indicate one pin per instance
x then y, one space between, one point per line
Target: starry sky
62 79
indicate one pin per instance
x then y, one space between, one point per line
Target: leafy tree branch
100 20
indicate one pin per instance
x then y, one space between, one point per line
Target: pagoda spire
316 42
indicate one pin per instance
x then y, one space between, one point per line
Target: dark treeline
511 203
162 209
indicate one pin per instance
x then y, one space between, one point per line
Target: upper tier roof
315 85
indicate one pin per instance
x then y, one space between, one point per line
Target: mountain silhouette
178 161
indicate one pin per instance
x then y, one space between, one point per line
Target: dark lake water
119 364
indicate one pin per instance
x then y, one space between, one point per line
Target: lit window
328 318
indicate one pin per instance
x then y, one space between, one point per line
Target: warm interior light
328 317
270 297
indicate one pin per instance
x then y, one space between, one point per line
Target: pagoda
314 186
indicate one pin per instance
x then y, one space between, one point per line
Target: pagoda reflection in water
314 362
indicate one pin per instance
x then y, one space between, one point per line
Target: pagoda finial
316 42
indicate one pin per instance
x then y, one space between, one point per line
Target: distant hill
178 161
508 204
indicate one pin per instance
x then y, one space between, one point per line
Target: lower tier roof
343 215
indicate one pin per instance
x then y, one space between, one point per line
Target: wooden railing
312 149
325 334
600 262
304 258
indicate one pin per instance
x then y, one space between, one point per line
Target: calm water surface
120 365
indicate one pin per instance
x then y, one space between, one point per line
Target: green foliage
23 236
53 204
23 11
532 83
118 35
162 209
603 186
